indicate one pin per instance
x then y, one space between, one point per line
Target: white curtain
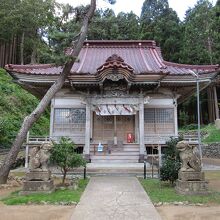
116 109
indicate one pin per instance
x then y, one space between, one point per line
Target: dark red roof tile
143 57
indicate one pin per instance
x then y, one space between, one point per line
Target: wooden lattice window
69 120
159 120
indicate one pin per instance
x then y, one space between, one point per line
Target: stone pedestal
191 183
38 182
38 175
191 176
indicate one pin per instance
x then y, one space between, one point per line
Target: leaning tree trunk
35 115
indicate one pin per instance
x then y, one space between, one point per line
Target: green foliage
58 196
183 118
200 38
190 127
64 155
163 192
29 17
161 23
15 105
171 162
213 134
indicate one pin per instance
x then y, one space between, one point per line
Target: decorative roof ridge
120 43
191 66
114 61
28 66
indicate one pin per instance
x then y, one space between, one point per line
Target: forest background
37 31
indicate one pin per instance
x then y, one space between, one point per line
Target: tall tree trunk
34 48
34 55
15 50
10 51
210 50
22 49
35 115
64 176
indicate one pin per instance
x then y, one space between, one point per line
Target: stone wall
193 133
211 150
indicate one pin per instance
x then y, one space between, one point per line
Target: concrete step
114 161
115 153
113 169
131 149
113 157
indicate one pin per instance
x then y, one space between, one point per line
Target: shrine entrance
117 128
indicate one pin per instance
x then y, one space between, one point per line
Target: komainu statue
189 157
39 157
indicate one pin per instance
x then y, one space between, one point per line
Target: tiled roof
143 57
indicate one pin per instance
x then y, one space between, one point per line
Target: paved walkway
115 198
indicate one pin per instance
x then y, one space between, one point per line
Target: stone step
114 161
124 146
114 157
115 153
126 149
106 168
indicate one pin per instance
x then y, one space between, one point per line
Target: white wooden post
136 128
160 155
175 119
87 135
52 117
141 132
27 150
115 130
216 103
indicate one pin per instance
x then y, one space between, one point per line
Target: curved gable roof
144 57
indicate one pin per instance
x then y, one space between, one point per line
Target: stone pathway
115 198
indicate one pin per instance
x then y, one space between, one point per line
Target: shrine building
120 95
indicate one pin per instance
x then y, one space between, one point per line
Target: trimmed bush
170 162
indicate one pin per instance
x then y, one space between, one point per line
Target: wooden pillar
175 118
52 117
136 128
216 103
141 132
86 150
91 124
27 151
115 130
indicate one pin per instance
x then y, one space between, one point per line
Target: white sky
180 6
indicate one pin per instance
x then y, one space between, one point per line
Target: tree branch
35 115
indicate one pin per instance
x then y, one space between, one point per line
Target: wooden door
103 128
124 125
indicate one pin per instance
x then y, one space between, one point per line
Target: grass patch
65 195
163 192
213 134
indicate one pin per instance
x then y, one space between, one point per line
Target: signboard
100 147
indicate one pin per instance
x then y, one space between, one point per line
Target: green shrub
15 105
63 154
183 118
190 127
170 162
